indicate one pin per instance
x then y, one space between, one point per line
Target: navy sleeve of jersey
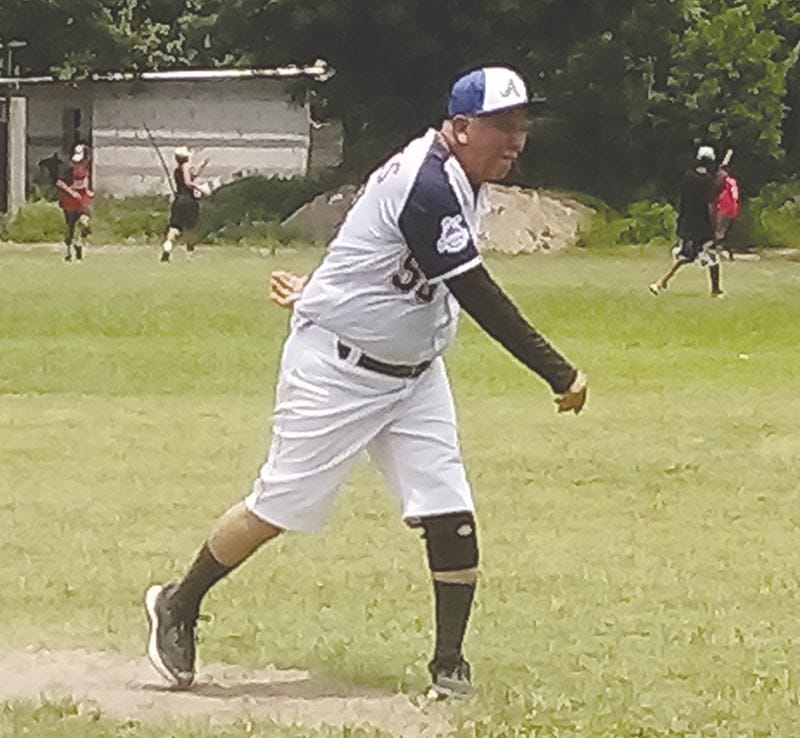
434 226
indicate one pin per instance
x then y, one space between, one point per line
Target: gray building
244 121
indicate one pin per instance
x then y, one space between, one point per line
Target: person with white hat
362 370
697 220
185 210
75 198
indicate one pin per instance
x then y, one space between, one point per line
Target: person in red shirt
75 198
728 207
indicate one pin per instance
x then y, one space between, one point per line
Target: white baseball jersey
414 224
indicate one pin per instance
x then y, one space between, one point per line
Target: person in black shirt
185 208
697 222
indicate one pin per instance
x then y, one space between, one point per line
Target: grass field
641 567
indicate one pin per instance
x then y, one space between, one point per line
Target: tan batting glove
285 288
575 397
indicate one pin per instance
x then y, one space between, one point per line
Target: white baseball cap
78 153
488 90
182 152
706 152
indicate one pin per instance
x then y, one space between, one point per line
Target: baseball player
362 370
185 209
75 199
697 219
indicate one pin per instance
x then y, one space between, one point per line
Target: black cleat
170 646
450 683
68 256
78 253
165 256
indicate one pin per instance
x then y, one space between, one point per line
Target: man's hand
575 397
285 288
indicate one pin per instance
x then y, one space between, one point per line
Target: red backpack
728 203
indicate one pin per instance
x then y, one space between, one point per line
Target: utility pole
12 145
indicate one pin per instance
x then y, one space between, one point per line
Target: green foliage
602 231
727 82
248 211
73 38
37 221
772 218
252 208
131 219
649 221
645 222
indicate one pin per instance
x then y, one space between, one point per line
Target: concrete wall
16 154
327 141
46 135
242 126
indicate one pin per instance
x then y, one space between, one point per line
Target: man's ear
460 129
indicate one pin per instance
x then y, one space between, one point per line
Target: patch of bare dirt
519 220
775 253
130 689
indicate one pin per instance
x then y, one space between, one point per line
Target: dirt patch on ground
775 253
130 689
519 220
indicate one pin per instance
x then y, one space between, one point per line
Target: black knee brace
451 541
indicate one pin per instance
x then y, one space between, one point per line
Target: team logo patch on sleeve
453 235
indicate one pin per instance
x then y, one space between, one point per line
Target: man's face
494 142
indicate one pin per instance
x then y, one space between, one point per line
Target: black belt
401 371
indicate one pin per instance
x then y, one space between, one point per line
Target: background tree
727 84
633 85
73 38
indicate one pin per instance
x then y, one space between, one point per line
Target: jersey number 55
410 278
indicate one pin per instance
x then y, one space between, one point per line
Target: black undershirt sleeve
492 310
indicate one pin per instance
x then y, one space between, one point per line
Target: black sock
453 606
713 271
203 574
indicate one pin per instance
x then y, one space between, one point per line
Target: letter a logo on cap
510 87
504 88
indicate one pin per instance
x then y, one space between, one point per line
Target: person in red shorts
729 207
75 198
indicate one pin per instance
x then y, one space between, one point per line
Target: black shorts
691 249
184 213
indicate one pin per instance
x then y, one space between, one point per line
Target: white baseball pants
328 410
